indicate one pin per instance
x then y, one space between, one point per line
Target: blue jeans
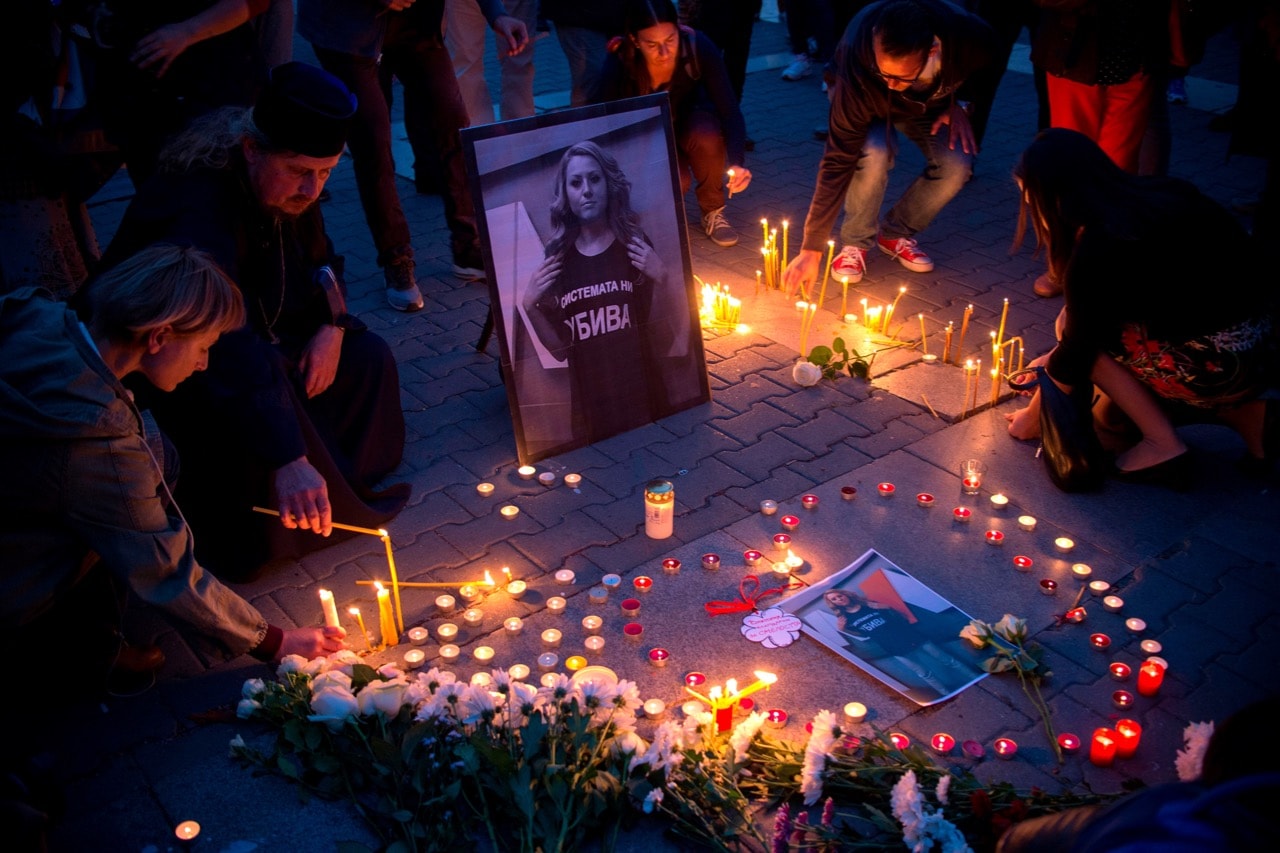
585 50
946 170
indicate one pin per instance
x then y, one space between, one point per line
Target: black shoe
1177 473
134 669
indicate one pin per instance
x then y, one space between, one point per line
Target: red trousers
1114 116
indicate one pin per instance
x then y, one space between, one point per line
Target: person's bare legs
1248 420
1160 442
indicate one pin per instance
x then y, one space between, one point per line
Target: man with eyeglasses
904 65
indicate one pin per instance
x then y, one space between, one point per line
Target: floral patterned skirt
1222 368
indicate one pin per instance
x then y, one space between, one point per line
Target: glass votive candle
513 625
526 472
1005 748
925 500
598 595
885 490
1112 603
418 635
752 558
809 501
942 743
446 603
671 566
789 523
573 480
1064 544
1122 699
643 583
518 671
548 661
781 541
1027 522
573 663
413 658
768 507
1135 625
973 749
1101 642
855 712
611 581
1099 588
592 624
1081 571
564 577
547 478
962 514
482 654
484 489
994 537
775 718
449 653
551 638
447 632
694 679
517 588
593 644
899 740
509 511
971 471
1120 671
999 501
659 657
654 708
630 606
556 605
473 616
711 561
1022 563
633 631
1049 586
848 493
1069 742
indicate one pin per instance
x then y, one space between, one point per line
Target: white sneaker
799 69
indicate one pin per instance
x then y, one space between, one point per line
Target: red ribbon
747 597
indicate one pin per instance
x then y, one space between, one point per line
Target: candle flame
382 531
488 578
731 686
766 677
354 611
715 692
377 585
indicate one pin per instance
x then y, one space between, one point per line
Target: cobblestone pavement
1200 567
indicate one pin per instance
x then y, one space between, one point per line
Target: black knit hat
305 110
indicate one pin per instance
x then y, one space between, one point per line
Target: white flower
597 694
333 706
977 632
821 740
475 704
291 663
443 703
652 800
390 670
668 740
253 688
806 374
236 744
435 677
1011 628
246 707
743 734
627 696
944 785
382 697
908 808
343 660
332 678
1190 760
628 743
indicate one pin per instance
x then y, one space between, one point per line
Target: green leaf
820 355
859 369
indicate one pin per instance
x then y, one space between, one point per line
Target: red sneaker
907 253
851 263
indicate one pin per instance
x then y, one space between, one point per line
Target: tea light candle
924 499
187 830
447 632
899 740
413 658
973 749
1075 615
671 566
1005 748
659 657
848 492
711 561
1049 586
781 569
518 671
1150 677
573 480
694 679
592 624
995 537
752 558
482 654
776 718
468 592
1112 603
564 577
999 501
473 616
547 478
549 679
942 743
556 605
1122 699
886 490
593 644
449 652
1068 742
551 638
484 489
630 606
481 679
1101 642
1151 647
1063 544
517 588
513 625
598 595
611 581
962 514
789 523
526 472
692 708
654 708
1119 671
809 501
1159 661
509 511
446 603
855 712
1135 625
1099 587
1082 571
633 631
1022 563
1102 749
573 663
1129 736
1027 522
643 583
548 661
768 507
781 541
418 635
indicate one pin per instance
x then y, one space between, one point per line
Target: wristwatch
349 322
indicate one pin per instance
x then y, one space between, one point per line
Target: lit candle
564 577
768 507
1122 699
468 592
1063 544
1150 677
473 616
946 344
1102 749
556 605
481 679
386 618
1022 563
1004 315
1049 586
671 566
1113 603
551 638
549 679
781 541
526 472
447 631
654 708
1082 571
790 523
355 611
711 561
630 606
519 671
925 500
1099 588
942 743
573 480
809 502
484 489
752 558
999 501
995 537
592 624
548 661
659 657
924 337
781 569
517 588
1151 647
886 490
187 830
330 608
962 514
633 631
611 581
509 511
1005 748
573 663
446 603
855 712
449 652
964 328
848 492
1129 736
1027 522
643 583
593 644
1135 625
418 635
1068 742
694 679
513 625
598 594
1119 671
691 708
899 740
483 654
1075 615
775 718
1101 642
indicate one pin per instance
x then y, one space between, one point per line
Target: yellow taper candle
386 620
364 635
395 581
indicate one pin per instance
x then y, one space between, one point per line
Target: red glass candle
711 561
1074 615
781 541
1049 586
995 537
924 499
671 566
1101 642
630 606
1068 742
695 679
962 514
659 657
899 740
775 718
644 583
633 630
942 743
790 523
1130 734
1005 747
1122 699
752 558
1120 671
1102 749
973 749
1022 563
886 490
1150 677
848 492
809 501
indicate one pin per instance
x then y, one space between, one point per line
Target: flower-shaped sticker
772 628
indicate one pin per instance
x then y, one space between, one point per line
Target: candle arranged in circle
711 561
519 671
768 507
598 595
1135 625
942 743
187 830
449 652
593 643
547 478
556 605
413 658
611 581
781 541
564 577
483 654
630 606
671 566
848 492
1129 735
1027 522
633 630
468 592
1101 642
855 712
962 514
1075 615
526 472
659 656
1112 603
999 501
1063 544
899 740
573 663
592 624
517 588
473 616
513 625
548 661
995 537
1022 563
573 480
809 501
1068 742
789 522
1081 571
551 638
1005 748
752 558
694 679
775 718
654 708
446 603
509 511
1049 586
1122 699
885 490
925 500
1151 647
1099 588
1120 671
1102 748
447 631
418 635
643 583
1150 677
485 489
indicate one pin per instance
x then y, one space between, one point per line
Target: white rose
333 706
383 697
246 707
332 678
291 663
253 688
806 373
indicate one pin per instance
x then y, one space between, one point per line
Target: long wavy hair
640 15
1070 184
623 221
213 141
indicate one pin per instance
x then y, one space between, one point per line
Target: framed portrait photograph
591 288
890 625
